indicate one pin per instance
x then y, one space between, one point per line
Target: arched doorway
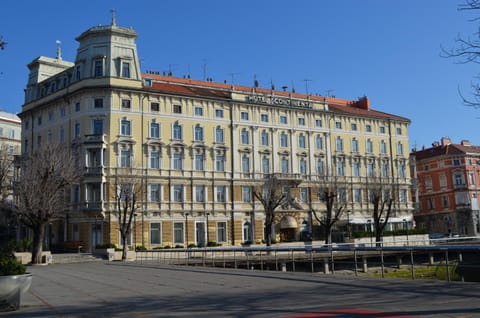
288 228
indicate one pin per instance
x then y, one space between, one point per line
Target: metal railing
448 262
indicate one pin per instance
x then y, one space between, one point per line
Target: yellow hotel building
199 147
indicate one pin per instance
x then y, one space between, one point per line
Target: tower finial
114 20
59 50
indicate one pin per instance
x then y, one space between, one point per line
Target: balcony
94 139
93 171
92 205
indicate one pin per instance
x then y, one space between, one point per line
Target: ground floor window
178 237
247 232
155 233
221 232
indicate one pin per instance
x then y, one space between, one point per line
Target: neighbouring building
200 146
10 144
448 177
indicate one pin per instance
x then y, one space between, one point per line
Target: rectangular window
77 130
155 160
98 68
177 132
154 107
199 162
284 165
244 137
154 130
178 161
198 133
126 104
301 141
155 233
221 193
399 130
50 115
368 128
98 126
301 121
369 146
320 168
353 126
219 113
283 140
403 196
155 192
265 138
356 168
125 159
446 201
318 123
383 147
264 118
246 194
354 145
98 103
244 116
219 135
220 163
304 195
265 165
245 164
178 193
198 111
77 107
456 162
338 125
339 144
283 120
177 109
200 193
125 128
357 195
178 233
382 129
126 69
221 232
443 180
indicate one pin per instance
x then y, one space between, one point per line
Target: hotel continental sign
199 148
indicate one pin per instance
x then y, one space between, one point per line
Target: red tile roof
446 150
191 87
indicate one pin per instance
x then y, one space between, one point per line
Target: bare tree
271 195
6 175
334 209
128 193
380 196
467 50
41 189
2 43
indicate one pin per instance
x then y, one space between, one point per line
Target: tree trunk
328 235
124 247
38 235
378 238
268 233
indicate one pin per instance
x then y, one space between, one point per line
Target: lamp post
369 222
134 231
405 226
206 215
186 229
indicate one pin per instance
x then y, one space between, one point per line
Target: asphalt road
129 290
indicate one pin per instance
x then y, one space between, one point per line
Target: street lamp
186 229
134 231
369 222
206 215
405 226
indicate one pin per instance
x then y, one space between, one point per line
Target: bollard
399 261
284 267
431 258
364 261
325 266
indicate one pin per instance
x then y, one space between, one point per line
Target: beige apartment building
199 147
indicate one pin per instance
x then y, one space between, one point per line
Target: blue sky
387 50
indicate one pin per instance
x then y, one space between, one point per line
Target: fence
449 262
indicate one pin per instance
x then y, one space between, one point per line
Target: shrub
167 246
213 244
191 245
159 247
9 265
105 246
140 248
178 246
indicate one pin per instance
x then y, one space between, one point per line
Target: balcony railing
94 138
93 170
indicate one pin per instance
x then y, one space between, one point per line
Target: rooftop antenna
204 66
293 87
255 81
114 20
306 84
59 50
233 76
329 92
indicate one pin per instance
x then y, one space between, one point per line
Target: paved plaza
116 289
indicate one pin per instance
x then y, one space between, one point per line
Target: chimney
466 143
436 144
363 103
446 141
